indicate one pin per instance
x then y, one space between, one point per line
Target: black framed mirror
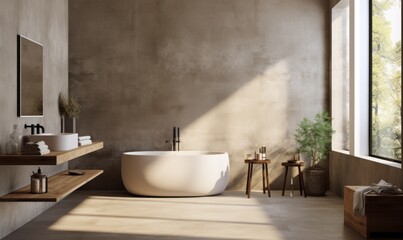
29 77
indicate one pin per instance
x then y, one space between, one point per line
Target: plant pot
68 125
315 181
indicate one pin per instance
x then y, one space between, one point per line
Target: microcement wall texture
45 21
232 74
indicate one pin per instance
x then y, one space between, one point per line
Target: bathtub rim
173 153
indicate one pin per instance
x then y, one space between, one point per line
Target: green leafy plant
69 107
314 137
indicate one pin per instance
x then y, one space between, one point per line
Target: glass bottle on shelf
16 134
12 146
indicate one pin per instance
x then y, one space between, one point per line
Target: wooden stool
265 175
300 177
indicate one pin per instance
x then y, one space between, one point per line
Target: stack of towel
84 140
385 188
35 148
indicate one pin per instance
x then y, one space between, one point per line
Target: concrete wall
45 21
233 74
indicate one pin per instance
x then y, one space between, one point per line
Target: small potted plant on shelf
69 109
314 139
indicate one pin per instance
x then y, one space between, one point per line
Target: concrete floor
117 215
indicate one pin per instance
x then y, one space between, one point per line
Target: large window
385 79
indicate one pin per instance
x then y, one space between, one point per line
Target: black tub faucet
175 139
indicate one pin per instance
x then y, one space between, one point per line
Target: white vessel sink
57 142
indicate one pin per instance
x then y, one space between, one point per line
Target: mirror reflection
30 77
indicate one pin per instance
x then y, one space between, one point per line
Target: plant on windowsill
314 139
69 109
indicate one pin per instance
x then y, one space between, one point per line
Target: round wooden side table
265 175
300 177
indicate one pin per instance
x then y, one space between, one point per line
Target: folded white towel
84 142
84 138
41 152
37 144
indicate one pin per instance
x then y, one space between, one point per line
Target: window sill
372 159
345 152
381 161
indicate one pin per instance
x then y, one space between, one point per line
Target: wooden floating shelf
53 158
59 186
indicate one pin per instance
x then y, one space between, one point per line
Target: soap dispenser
39 182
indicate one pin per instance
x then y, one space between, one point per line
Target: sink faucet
175 139
39 128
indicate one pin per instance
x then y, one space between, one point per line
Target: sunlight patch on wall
254 114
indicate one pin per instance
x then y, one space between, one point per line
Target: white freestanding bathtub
175 173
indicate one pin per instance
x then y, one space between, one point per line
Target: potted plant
314 140
69 109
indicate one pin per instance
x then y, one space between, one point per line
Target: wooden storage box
383 214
